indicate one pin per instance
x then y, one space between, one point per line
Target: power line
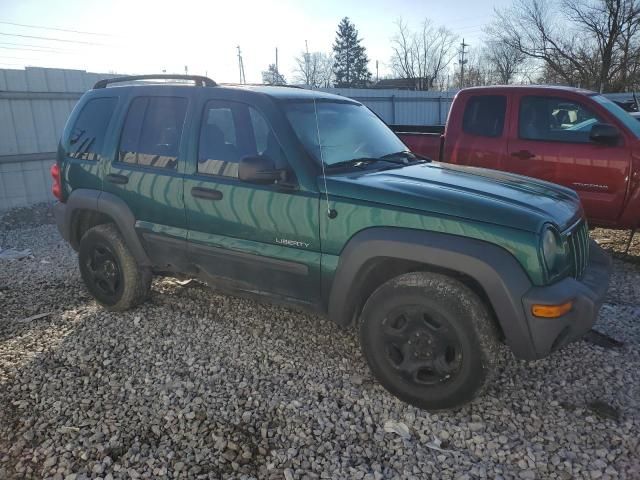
54 39
25 45
41 50
56 29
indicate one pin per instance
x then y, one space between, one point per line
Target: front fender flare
496 270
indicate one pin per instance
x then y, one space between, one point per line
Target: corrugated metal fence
34 106
402 107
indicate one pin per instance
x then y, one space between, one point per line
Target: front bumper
587 295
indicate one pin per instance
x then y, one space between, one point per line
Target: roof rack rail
199 80
236 84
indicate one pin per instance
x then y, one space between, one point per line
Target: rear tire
429 340
109 270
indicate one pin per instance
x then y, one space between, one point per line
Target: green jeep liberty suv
308 198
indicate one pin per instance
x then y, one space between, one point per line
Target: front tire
429 340
109 270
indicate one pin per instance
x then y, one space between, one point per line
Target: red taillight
56 187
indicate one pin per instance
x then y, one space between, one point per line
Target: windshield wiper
360 162
406 157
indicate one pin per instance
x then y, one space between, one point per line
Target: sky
147 36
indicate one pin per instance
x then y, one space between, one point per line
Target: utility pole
277 70
462 62
241 66
307 61
377 72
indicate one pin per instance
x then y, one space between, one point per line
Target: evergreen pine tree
351 63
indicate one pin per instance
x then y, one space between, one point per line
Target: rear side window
231 131
152 131
484 115
87 136
555 119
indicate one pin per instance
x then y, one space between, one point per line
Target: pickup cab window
555 119
484 115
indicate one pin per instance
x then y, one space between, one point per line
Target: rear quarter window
484 115
87 135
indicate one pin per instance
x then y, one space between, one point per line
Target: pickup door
549 139
258 238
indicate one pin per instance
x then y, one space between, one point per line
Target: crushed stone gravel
196 384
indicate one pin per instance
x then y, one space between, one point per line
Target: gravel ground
195 384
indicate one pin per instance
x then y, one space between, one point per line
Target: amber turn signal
551 311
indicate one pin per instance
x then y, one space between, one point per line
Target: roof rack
199 80
235 84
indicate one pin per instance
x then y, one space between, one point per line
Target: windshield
618 112
343 131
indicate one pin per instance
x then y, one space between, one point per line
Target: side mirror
258 169
604 133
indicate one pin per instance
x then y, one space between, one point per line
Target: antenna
330 212
241 66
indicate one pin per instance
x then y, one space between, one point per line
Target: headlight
552 250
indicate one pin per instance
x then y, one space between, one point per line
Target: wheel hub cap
421 345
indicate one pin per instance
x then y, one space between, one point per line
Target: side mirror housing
604 133
258 169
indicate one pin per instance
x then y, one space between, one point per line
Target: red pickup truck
568 136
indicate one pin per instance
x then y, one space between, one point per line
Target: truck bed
426 140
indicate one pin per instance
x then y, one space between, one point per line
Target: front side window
484 115
152 131
231 131
87 136
555 119
334 131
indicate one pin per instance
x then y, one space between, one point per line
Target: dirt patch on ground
38 214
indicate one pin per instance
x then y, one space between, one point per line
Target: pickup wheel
110 271
428 339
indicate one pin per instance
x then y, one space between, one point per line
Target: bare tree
504 61
314 69
588 43
423 55
271 76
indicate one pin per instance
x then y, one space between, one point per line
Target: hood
477 194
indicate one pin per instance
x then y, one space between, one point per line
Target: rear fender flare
112 206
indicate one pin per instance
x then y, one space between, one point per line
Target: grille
578 243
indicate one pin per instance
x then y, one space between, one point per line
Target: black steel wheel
421 345
109 270
103 271
429 340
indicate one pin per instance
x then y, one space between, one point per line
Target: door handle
208 193
523 155
117 179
